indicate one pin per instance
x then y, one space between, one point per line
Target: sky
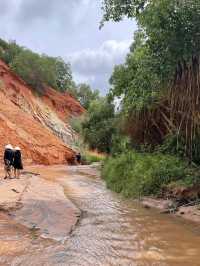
70 29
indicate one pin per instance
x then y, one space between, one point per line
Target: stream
111 231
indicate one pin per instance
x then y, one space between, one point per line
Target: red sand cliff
22 119
63 104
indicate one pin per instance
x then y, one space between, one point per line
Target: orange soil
19 123
62 103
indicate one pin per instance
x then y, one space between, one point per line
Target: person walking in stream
8 160
17 162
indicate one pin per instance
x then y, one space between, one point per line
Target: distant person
78 158
8 160
17 162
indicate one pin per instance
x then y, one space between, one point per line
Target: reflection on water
114 231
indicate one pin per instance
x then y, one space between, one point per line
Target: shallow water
111 231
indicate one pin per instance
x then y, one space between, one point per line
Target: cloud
32 10
4 7
49 11
95 65
68 28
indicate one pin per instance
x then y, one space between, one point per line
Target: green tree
98 128
168 34
170 27
58 73
160 69
64 77
38 70
86 95
116 9
30 67
9 51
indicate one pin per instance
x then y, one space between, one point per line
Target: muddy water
112 231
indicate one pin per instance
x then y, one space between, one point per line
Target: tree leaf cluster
37 70
168 33
98 127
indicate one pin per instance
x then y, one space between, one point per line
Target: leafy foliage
37 70
137 174
161 68
116 9
98 128
120 143
86 95
30 68
168 34
9 51
157 97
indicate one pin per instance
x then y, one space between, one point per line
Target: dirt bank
188 211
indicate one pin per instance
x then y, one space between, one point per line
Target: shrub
136 174
120 144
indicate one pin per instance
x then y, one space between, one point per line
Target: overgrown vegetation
160 70
142 174
37 70
97 127
159 90
86 95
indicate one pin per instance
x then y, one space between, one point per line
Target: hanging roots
178 113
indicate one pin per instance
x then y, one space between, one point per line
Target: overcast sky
69 28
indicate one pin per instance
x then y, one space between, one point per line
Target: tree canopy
168 34
86 95
98 128
160 69
37 70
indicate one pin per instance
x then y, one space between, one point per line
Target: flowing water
111 231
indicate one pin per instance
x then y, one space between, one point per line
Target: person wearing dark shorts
8 160
17 162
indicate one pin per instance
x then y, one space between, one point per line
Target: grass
143 174
92 157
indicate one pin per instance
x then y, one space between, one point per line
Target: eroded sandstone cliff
39 125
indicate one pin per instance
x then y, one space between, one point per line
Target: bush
176 145
136 174
120 144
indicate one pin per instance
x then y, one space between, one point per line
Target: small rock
14 190
165 211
